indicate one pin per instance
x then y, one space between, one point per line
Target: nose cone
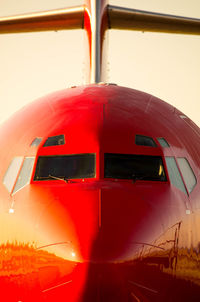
105 283
96 224
128 224
125 221
93 233
70 221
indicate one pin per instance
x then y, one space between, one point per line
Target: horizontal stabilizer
118 18
68 18
132 19
95 16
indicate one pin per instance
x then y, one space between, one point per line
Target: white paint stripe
46 290
142 286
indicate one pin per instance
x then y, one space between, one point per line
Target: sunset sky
167 66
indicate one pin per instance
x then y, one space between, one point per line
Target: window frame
177 165
189 192
16 174
58 155
58 137
19 170
38 140
30 176
148 137
166 180
165 141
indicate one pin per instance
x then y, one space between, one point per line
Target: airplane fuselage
99 199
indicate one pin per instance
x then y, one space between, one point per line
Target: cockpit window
55 141
163 142
174 174
188 174
65 167
25 174
36 142
12 172
142 140
136 167
18 174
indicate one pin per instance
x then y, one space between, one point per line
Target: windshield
65 167
136 167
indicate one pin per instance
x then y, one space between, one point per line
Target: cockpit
117 166
142 166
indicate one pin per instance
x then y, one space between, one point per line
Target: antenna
96 16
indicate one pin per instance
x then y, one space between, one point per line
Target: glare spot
160 170
73 254
11 211
183 116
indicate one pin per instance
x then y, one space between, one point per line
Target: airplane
99 190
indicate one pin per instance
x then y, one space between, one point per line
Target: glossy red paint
99 239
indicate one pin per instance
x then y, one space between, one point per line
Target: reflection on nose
105 282
85 241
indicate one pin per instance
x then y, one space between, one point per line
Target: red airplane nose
103 234
83 238
96 224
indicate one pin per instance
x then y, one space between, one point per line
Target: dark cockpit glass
55 141
136 167
65 167
142 140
